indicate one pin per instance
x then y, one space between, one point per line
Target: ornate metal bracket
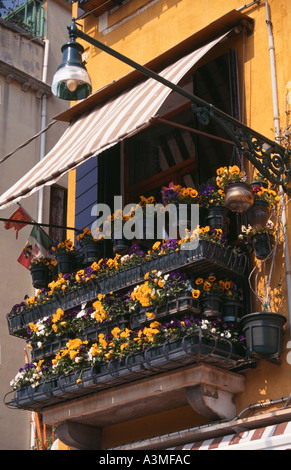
271 159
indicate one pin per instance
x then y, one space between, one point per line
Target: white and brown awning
121 115
105 126
274 437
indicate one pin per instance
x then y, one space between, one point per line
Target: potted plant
264 328
160 295
212 198
262 238
145 212
264 199
42 270
239 195
232 308
116 223
90 246
182 198
64 253
211 292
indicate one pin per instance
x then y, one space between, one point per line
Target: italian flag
38 245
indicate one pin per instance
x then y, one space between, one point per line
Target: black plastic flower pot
184 303
211 306
231 310
91 252
263 333
40 276
65 262
217 218
120 244
262 244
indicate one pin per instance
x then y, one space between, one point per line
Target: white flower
227 334
125 258
39 344
81 314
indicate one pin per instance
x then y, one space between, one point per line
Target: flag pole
2 219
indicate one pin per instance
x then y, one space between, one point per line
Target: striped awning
274 437
103 127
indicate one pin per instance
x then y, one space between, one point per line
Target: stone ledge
152 395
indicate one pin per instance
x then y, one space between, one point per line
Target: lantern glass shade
71 82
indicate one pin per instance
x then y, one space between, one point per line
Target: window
58 211
171 149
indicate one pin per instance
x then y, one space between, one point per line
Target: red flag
19 214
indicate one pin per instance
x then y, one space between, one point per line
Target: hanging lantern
239 196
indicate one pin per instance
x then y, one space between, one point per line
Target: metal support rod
2 219
190 129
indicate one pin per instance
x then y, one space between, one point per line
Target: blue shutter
86 193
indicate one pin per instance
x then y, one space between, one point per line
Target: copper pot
239 196
258 214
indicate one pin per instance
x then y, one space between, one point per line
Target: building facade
135 136
27 107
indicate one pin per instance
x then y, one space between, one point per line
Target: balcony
193 367
30 16
140 328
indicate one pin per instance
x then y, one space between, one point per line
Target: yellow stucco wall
142 37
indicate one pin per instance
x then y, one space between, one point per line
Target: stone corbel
212 402
79 436
25 86
9 77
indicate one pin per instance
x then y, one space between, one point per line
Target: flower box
35 397
193 348
92 331
128 368
50 348
32 315
15 323
131 275
207 256
183 303
169 355
77 382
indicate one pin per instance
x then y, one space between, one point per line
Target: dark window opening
58 212
169 150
